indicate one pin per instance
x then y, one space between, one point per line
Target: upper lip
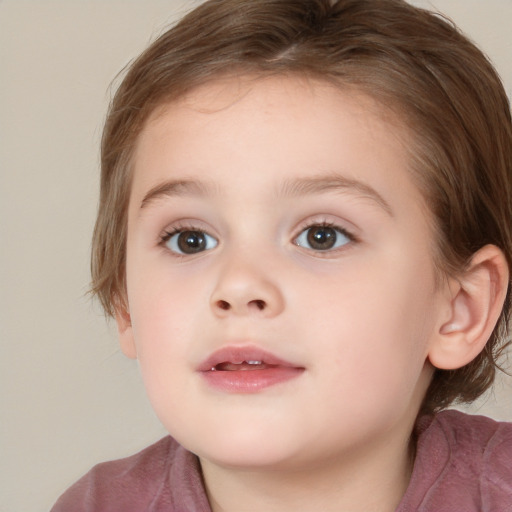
239 354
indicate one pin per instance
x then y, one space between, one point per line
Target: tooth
253 362
213 369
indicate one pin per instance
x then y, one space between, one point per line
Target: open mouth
246 369
242 366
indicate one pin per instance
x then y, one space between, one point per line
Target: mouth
246 370
242 366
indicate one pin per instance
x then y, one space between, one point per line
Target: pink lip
274 371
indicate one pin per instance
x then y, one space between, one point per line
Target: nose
246 290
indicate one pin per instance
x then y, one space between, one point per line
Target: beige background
68 397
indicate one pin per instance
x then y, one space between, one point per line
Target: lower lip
250 381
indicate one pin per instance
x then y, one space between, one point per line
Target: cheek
164 323
376 323
161 318
162 311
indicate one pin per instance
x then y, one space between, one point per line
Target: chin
244 449
250 460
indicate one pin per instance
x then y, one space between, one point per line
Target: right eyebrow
173 188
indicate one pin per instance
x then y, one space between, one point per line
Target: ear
125 331
476 301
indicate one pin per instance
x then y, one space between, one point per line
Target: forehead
262 130
294 93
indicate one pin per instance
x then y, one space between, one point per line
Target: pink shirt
463 464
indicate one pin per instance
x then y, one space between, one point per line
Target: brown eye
190 242
322 238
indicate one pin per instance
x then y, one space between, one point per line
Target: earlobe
476 301
125 332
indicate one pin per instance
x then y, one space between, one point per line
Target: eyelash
181 228
167 235
301 233
325 224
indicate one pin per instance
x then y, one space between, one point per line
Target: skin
362 319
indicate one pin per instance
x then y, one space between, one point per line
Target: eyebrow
173 188
291 188
334 182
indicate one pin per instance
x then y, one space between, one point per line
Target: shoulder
463 461
149 480
479 437
483 446
476 431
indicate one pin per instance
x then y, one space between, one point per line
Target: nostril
260 304
223 304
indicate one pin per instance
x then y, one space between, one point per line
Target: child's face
306 240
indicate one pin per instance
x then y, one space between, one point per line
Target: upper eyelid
186 225
307 224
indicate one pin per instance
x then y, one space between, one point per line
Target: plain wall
69 398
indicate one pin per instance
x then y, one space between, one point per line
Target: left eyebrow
334 182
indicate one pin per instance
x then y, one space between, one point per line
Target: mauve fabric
463 464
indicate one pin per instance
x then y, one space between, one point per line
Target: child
304 237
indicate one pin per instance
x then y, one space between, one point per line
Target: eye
323 238
189 241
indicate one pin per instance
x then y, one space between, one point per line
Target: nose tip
245 290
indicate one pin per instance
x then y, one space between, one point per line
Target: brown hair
410 60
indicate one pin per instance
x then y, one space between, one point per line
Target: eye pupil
321 237
191 242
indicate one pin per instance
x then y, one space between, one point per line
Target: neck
374 480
